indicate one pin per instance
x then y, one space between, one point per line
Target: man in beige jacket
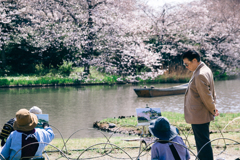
199 102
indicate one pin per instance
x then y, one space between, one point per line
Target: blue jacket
14 143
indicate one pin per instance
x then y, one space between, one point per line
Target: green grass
132 121
177 119
82 143
93 70
36 80
95 76
76 76
51 78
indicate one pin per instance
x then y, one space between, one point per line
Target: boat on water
156 92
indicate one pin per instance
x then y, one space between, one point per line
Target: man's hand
216 112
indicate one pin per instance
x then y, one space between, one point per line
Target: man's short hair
191 54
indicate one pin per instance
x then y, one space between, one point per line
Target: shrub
111 79
4 82
66 68
52 72
40 70
37 81
54 81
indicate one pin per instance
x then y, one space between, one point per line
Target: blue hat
162 129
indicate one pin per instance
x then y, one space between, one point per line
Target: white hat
35 110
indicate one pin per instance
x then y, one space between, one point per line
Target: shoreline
100 83
106 127
59 85
80 84
42 81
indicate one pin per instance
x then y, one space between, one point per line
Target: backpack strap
174 152
173 149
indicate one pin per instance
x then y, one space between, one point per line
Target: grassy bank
32 80
98 147
177 119
76 77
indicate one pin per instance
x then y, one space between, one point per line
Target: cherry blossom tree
222 38
169 32
122 37
30 23
201 26
105 31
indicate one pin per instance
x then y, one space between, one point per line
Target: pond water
76 108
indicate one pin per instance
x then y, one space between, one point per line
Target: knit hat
35 110
162 129
25 121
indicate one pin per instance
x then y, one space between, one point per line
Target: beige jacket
200 97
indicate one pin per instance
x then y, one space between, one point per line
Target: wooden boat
154 92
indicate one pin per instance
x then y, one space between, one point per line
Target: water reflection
73 108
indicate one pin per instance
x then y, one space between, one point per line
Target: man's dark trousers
201 134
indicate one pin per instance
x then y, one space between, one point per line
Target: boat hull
152 92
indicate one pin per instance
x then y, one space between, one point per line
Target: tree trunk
89 48
3 57
86 69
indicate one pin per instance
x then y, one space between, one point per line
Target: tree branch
98 4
